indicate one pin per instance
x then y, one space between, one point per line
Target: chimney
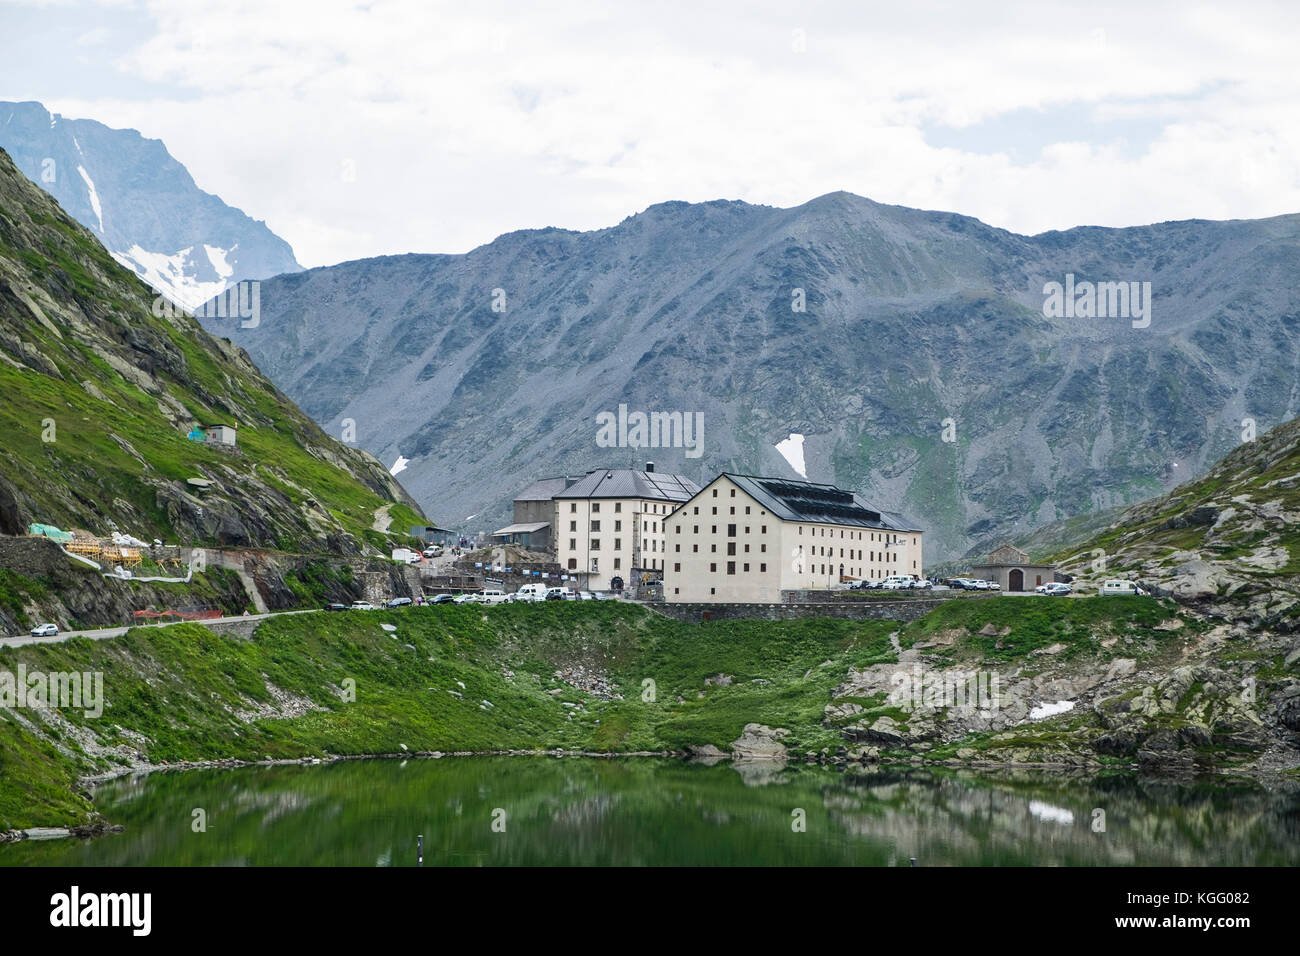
649 466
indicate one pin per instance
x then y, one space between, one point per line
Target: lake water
492 811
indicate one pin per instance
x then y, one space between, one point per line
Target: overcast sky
361 129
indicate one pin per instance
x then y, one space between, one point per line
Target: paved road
105 633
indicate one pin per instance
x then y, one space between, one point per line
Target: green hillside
100 393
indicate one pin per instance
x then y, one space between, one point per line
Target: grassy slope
49 258
179 686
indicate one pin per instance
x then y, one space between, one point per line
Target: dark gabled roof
624 483
807 501
544 489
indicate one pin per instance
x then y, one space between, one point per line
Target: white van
561 594
896 583
1116 586
531 592
493 596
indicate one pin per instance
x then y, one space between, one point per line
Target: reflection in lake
497 811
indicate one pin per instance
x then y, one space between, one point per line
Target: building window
695 529
595 507
762 568
618 543
731 567
573 526
573 564
762 529
677 566
573 508
677 548
763 547
595 569
715 509
713 567
679 529
715 492
695 548
746 567
746 509
573 544
731 547
697 509
731 531
595 526
618 526
715 529
733 492
595 544
618 507
713 548
713 590
618 563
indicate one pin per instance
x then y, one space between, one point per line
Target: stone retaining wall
883 610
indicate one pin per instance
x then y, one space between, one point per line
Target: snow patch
174 275
792 451
1051 710
94 197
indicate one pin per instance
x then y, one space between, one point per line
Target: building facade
1013 571
611 524
747 539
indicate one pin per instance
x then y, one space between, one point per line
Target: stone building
746 539
1013 571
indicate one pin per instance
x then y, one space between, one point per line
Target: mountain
489 369
1228 542
142 204
100 395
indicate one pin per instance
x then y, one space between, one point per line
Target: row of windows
618 544
618 508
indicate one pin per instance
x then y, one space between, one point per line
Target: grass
178 693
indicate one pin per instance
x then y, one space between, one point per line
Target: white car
531 592
466 599
363 606
44 630
1054 588
561 594
586 596
493 596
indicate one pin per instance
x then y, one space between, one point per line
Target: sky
394 126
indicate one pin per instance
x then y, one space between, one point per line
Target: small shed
221 434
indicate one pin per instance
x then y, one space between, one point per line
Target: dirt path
382 519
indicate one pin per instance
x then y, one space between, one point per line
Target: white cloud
462 123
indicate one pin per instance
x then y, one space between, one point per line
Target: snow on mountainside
142 205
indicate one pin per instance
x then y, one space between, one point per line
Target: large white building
745 539
611 524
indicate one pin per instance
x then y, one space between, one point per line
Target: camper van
1120 587
531 592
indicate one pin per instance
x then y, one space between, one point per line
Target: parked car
1116 586
586 596
1054 588
434 552
466 599
560 594
443 599
993 585
896 584
493 596
45 630
336 607
398 602
531 592
363 606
